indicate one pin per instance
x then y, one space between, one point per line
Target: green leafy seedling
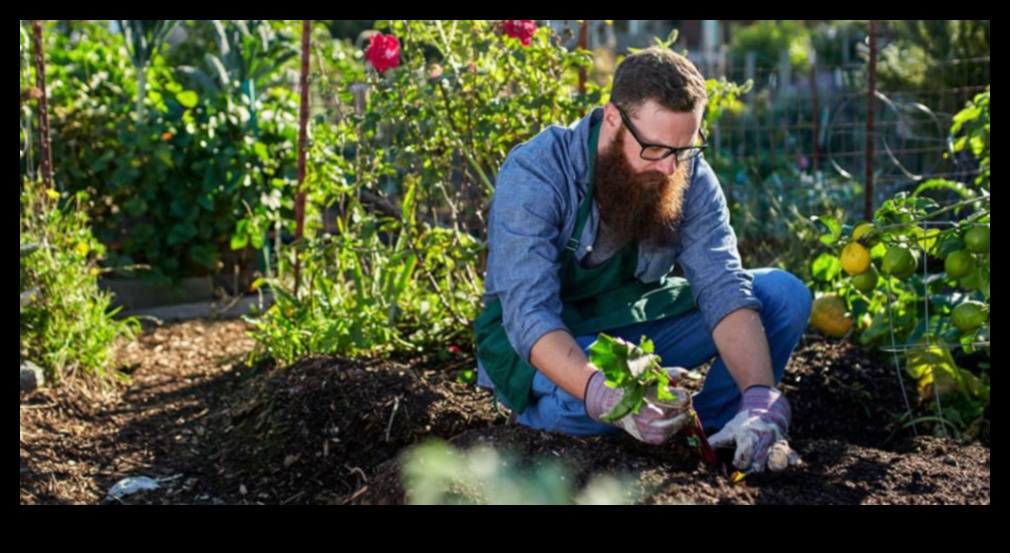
633 369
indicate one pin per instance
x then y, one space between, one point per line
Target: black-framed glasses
658 152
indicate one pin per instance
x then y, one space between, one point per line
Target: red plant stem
303 140
40 80
695 430
870 115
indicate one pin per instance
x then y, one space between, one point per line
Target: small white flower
28 297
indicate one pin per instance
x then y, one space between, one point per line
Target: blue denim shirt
532 218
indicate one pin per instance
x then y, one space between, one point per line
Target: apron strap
586 207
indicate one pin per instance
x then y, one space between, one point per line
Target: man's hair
663 76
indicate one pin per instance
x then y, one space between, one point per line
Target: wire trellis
897 350
805 141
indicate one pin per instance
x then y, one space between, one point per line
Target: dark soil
331 431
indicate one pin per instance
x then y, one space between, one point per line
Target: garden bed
331 431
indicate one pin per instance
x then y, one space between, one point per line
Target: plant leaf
834 230
827 267
188 99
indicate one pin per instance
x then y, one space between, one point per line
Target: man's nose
667 166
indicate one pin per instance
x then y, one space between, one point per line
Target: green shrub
66 323
403 185
169 187
768 39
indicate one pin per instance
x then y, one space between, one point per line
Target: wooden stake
45 142
583 44
303 140
870 115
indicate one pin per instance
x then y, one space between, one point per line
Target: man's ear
611 117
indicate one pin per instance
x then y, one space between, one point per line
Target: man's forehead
663 126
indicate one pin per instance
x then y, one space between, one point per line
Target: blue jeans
685 342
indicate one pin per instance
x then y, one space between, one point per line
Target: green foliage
633 369
26 85
938 320
349 28
769 39
249 55
936 55
971 126
438 474
171 186
66 324
402 181
145 37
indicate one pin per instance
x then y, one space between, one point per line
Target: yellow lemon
830 316
855 259
863 231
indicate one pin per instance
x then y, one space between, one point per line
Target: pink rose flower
383 52
521 29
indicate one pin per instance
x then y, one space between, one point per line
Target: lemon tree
917 277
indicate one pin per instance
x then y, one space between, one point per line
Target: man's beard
644 208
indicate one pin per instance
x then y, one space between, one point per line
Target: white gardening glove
760 432
655 423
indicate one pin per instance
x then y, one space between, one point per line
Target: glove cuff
759 397
600 399
768 403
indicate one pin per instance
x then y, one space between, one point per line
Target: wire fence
800 142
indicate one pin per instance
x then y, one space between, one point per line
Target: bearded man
586 226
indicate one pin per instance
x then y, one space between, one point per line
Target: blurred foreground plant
438 474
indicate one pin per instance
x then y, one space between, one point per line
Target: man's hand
759 432
656 423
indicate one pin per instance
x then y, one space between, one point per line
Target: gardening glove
759 432
655 423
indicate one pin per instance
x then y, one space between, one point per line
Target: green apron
595 300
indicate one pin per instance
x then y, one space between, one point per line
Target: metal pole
816 110
303 139
871 103
45 142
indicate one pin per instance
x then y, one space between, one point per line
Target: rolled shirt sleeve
710 258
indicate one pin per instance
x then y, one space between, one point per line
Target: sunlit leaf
834 227
188 99
827 268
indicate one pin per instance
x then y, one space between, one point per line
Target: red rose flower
522 29
383 52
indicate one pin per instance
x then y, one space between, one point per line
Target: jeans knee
785 298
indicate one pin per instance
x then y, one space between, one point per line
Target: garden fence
800 143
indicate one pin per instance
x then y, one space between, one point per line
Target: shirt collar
579 147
